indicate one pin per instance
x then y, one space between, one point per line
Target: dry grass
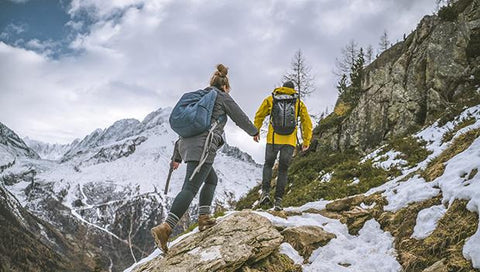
446 242
436 167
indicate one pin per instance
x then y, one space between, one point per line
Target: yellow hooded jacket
306 123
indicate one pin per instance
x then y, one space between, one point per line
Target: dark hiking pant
205 176
271 151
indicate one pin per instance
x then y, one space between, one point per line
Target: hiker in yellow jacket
281 139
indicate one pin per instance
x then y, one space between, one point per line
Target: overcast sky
69 67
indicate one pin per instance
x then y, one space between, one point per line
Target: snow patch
427 221
371 250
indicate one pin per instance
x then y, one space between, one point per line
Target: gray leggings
271 151
205 176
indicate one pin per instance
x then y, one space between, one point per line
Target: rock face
239 239
415 81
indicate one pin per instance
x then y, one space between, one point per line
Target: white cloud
140 55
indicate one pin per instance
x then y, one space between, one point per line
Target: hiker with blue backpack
199 118
284 108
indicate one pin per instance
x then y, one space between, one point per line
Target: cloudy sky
69 67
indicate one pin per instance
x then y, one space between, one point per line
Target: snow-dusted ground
372 249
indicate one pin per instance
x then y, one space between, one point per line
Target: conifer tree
356 76
342 85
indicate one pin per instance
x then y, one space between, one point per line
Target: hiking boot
205 221
161 233
278 204
265 199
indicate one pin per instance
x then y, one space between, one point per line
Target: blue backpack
192 114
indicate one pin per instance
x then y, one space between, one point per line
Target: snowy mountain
112 183
49 151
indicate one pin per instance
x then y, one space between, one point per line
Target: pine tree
342 85
356 76
357 70
300 75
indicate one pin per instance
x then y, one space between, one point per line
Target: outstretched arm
238 116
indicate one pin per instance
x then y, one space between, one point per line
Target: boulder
305 239
238 239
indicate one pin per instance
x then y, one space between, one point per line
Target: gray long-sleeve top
190 149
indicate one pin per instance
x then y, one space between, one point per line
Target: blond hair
219 78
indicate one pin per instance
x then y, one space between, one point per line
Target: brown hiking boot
205 221
161 233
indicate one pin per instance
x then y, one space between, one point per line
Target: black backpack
283 117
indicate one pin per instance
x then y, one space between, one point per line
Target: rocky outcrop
434 69
238 241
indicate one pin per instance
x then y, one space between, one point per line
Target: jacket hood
284 90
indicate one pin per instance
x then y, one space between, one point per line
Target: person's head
220 79
289 84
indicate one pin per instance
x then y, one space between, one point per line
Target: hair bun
222 70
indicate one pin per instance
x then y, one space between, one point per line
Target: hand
174 165
305 148
256 138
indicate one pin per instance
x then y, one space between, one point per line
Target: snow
287 249
454 186
427 221
386 161
5 156
355 181
317 205
414 190
371 250
367 207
